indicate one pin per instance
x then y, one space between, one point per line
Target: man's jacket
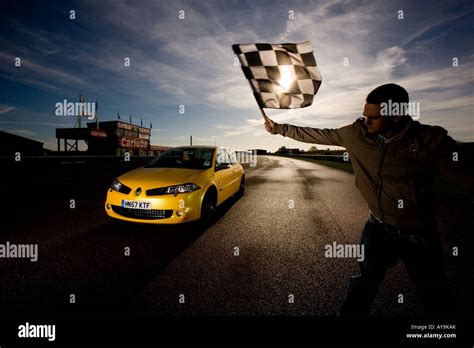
394 175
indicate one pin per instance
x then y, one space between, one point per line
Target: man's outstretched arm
323 136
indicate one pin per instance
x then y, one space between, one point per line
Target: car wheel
208 208
241 190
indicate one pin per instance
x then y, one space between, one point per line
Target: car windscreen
186 158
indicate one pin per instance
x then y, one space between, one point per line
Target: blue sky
190 62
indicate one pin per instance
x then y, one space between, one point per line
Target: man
395 160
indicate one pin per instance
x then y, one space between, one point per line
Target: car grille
152 214
125 189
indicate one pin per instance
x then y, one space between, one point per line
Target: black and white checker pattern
282 76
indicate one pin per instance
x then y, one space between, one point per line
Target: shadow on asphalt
104 267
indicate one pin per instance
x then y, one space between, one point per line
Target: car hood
159 177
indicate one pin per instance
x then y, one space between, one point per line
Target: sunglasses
373 118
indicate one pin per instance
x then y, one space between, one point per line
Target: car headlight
119 187
173 190
116 185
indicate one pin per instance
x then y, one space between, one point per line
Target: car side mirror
222 166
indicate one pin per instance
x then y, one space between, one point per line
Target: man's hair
384 93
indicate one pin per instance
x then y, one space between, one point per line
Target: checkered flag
282 76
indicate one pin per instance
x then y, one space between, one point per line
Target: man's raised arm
323 136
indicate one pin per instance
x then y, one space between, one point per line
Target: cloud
390 58
6 108
37 74
433 30
205 42
186 61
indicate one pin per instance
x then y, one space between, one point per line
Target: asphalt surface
291 209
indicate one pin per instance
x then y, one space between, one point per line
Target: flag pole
256 99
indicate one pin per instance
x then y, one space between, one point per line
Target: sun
286 79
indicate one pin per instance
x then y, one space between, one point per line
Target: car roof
202 147
197 146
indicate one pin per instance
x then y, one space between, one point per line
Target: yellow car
182 184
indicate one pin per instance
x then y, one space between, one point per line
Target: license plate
136 204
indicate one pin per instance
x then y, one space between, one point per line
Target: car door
236 174
223 175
